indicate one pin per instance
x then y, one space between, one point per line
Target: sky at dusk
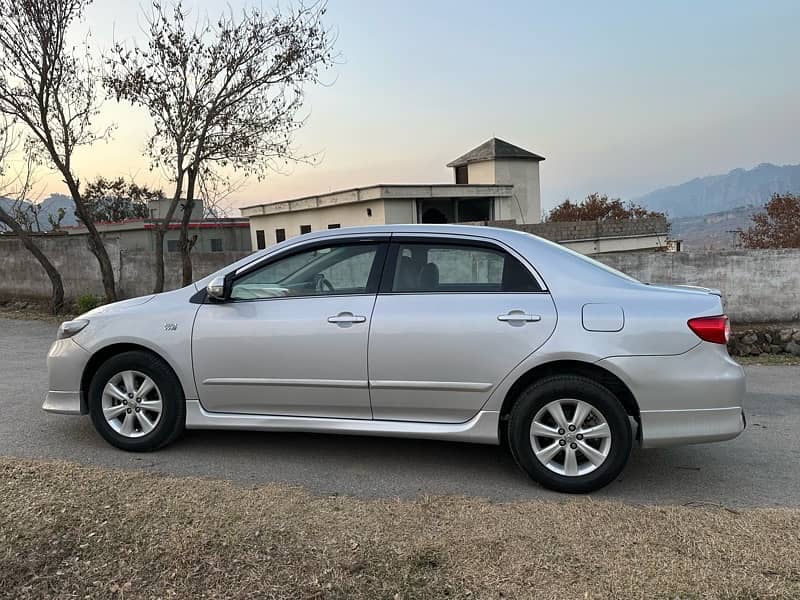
620 97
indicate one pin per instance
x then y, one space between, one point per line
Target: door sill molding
480 429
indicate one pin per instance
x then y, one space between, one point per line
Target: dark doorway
434 215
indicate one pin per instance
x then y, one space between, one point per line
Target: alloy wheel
570 437
132 404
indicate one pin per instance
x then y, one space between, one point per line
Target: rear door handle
347 317
518 315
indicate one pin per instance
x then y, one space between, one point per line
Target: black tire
173 415
557 387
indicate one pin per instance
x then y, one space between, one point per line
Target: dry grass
69 531
32 311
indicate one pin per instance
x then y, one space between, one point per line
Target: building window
462 176
261 242
280 235
216 244
172 245
305 229
334 226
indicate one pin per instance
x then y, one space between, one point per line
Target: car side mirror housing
217 289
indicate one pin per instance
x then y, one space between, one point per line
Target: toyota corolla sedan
470 334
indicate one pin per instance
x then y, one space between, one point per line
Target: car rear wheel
136 402
570 434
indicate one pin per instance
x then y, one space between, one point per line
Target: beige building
212 234
495 181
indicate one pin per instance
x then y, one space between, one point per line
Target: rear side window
443 267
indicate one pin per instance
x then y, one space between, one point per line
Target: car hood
117 307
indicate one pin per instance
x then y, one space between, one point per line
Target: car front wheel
570 434
136 402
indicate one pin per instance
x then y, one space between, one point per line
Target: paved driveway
760 468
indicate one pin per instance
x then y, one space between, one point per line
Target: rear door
453 317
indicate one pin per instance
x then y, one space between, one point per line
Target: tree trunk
184 243
57 298
159 259
161 230
96 244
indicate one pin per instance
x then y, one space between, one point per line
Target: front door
292 340
452 319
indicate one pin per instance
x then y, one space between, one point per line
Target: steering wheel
323 284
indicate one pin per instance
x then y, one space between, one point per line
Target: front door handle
347 317
518 315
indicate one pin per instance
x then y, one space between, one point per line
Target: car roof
497 233
551 260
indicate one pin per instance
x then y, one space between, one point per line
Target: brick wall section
559 231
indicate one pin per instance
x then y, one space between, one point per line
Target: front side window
321 271
432 267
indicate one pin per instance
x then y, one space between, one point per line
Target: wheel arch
567 367
103 354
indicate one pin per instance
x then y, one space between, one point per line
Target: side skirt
481 429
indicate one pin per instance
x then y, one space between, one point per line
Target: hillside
722 193
714 231
50 205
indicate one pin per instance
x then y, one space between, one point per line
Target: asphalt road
759 468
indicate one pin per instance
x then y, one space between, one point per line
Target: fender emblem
170 326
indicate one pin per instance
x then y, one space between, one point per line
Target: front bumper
66 361
63 403
690 398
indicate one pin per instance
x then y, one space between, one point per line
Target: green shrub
87 302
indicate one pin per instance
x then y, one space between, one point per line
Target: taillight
712 329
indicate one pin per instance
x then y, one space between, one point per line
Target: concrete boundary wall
23 277
759 286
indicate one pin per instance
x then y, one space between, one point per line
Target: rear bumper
677 427
689 398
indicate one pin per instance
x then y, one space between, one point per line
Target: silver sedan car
470 334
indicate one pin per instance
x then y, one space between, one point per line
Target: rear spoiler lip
700 288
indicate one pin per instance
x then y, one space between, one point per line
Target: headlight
70 328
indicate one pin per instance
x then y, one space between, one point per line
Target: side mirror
216 289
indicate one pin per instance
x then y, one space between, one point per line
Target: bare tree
223 96
15 188
47 86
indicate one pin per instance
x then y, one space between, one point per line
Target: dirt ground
72 531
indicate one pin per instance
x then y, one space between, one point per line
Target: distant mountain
49 205
714 231
721 193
